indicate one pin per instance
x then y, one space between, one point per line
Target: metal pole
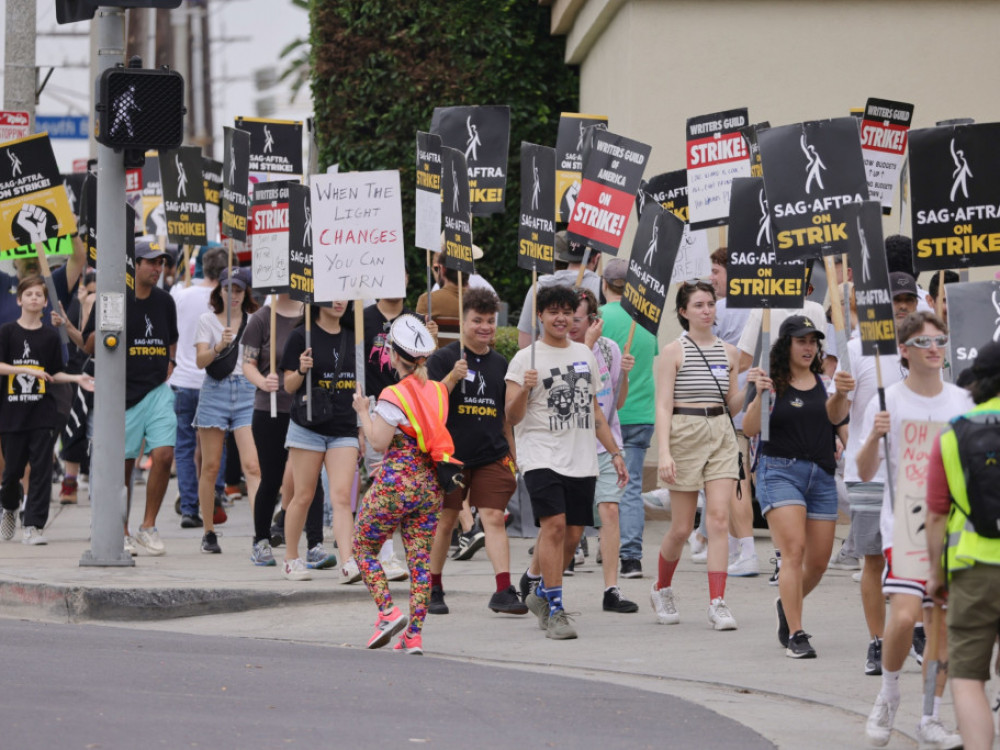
19 58
107 473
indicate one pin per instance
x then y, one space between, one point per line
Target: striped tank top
695 382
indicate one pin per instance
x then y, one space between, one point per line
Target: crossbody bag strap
725 406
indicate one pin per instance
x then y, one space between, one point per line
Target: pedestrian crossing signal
140 109
70 11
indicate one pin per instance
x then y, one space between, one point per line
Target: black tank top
800 427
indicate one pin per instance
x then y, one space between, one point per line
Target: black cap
799 325
902 283
987 362
566 251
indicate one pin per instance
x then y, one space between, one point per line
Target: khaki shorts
703 449
973 621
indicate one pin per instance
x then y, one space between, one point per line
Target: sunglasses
925 342
697 282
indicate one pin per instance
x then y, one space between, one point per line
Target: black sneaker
919 641
507 602
210 543
191 522
614 602
527 584
469 543
437 605
631 568
278 529
873 663
782 623
798 646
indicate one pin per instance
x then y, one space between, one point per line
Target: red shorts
893 585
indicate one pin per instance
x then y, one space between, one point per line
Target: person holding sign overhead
696 393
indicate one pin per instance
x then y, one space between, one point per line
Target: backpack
979 450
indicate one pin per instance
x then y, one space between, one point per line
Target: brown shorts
973 621
489 486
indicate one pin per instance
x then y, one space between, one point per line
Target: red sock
503 581
666 572
716 584
436 580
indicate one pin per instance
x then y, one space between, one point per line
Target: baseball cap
799 325
411 339
149 250
987 362
902 283
615 270
566 251
241 277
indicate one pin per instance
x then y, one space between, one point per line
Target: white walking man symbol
123 107
181 177
865 254
454 190
647 259
15 164
536 186
268 141
961 173
473 142
815 164
764 221
307 231
149 327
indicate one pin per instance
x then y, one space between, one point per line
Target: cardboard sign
883 146
570 143
55 246
754 277
357 233
235 183
653 251
716 153
955 179
536 231
428 213
457 244
876 319
211 176
275 145
34 206
909 537
184 195
268 235
301 282
811 170
611 177
973 320
482 135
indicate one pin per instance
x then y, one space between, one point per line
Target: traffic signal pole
107 456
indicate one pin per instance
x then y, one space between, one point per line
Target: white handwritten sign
909 540
693 261
357 232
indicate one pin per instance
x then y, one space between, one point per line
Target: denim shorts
225 404
301 437
795 481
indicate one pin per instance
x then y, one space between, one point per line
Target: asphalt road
95 687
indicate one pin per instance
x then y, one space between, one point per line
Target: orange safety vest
426 407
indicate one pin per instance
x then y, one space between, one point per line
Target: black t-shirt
332 370
379 371
28 403
475 418
151 329
800 428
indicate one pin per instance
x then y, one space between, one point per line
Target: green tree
379 67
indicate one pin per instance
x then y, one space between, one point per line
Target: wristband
617 455
300 373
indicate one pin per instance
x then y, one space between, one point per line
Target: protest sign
482 135
536 231
457 243
716 153
184 195
275 146
811 170
871 283
611 177
34 206
754 277
955 181
73 182
211 176
570 143
973 320
235 183
88 217
357 234
428 207
152 215
133 197
301 282
268 237
670 191
909 537
55 246
883 146
750 133
653 251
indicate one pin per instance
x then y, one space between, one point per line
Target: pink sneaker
386 626
409 644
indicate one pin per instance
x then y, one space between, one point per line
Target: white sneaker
744 567
933 735
33 536
720 616
130 546
149 540
349 573
699 549
663 605
296 570
8 524
578 557
394 569
856 577
879 725
657 499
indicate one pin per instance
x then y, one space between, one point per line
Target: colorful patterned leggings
406 494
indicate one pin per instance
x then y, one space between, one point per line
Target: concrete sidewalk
743 674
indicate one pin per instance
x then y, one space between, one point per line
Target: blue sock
554 595
540 588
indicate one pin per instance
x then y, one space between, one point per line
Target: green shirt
639 406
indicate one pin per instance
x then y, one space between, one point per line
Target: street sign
63 126
13 125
